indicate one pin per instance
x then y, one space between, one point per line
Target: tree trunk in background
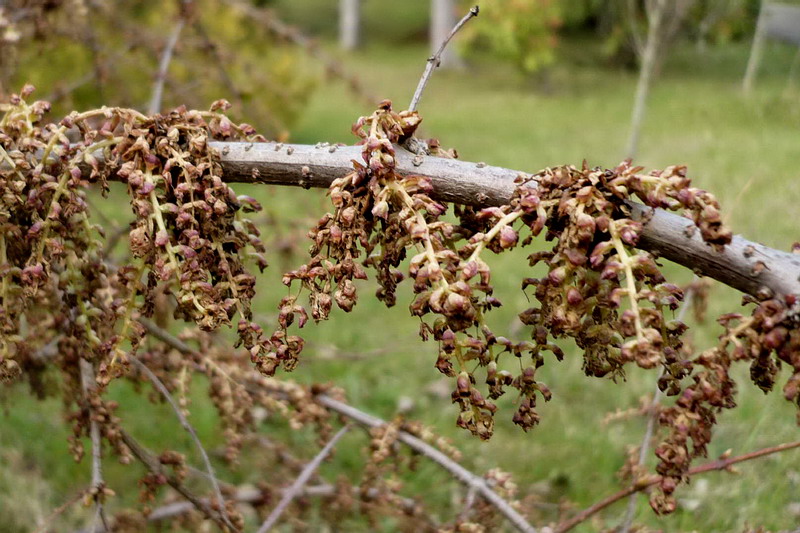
443 18
349 24
649 62
756 52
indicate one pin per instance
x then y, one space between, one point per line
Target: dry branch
743 265
723 463
436 58
283 31
162 389
456 470
154 466
652 416
98 485
297 487
163 67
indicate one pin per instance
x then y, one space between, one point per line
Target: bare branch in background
163 66
649 57
436 58
297 487
456 470
652 418
154 466
159 385
287 33
723 463
97 491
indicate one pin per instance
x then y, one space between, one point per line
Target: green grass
697 116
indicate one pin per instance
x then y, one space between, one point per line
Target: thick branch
743 265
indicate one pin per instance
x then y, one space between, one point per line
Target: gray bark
743 265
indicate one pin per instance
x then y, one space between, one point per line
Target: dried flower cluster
188 238
63 301
597 289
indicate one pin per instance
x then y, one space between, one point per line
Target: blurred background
528 84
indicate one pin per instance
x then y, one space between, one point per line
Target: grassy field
697 116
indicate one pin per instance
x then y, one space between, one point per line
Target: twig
219 62
423 448
98 485
245 495
644 449
189 428
166 57
469 501
435 59
459 472
642 484
300 482
47 524
154 466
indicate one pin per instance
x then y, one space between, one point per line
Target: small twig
98 485
644 449
154 466
166 337
435 59
456 470
47 525
163 67
469 501
245 495
189 428
642 484
300 482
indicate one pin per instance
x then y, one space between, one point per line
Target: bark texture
744 265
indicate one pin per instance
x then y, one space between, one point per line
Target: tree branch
97 491
163 66
652 416
154 466
743 265
435 59
300 482
287 33
456 470
159 385
724 463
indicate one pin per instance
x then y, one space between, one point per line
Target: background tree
349 24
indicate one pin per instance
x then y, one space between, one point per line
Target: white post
443 18
349 24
